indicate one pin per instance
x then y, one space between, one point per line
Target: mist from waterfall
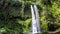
35 19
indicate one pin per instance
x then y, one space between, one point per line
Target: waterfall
35 19
34 28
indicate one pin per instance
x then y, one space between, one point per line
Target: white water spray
34 28
35 20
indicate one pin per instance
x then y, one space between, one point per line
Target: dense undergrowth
15 15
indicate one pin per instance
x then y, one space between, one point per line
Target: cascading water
34 28
35 19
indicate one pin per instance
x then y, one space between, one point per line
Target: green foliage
15 15
27 25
